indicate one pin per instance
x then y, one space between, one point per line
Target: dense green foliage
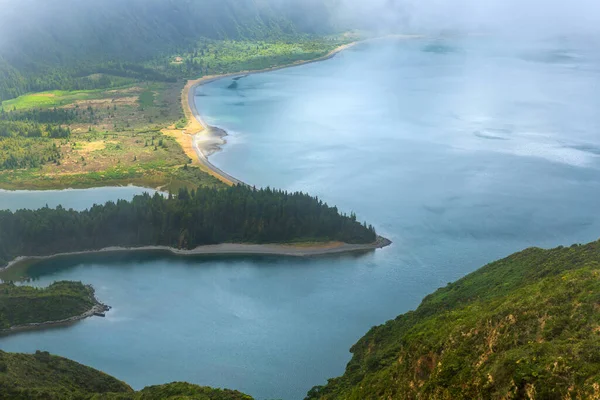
62 45
43 376
21 305
183 391
25 144
205 216
524 327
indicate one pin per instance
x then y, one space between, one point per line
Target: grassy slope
524 327
21 305
43 376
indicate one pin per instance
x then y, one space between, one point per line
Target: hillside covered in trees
525 327
44 376
204 216
59 45
22 305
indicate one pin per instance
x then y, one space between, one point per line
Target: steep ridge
526 326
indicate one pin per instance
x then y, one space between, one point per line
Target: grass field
55 98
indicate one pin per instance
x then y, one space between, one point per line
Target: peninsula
234 220
25 307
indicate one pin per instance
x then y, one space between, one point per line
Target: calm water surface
459 151
77 199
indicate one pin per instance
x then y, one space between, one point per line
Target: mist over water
461 150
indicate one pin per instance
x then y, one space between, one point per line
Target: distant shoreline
290 250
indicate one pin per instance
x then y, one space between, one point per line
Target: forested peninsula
23 307
190 219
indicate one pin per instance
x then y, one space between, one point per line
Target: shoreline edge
228 249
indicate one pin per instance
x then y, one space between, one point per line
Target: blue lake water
460 151
77 199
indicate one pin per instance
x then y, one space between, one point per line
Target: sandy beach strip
200 139
291 250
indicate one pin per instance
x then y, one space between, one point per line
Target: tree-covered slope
45 44
62 30
44 376
527 326
21 305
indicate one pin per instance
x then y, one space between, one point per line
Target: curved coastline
289 250
206 139
213 138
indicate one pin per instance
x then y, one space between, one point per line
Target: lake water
459 151
77 199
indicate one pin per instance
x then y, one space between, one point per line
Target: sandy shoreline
289 250
205 139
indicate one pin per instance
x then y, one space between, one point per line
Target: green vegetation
44 376
205 216
182 390
212 57
117 72
48 99
108 42
115 132
524 327
22 305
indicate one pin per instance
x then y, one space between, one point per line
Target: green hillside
20 305
526 326
43 376
58 45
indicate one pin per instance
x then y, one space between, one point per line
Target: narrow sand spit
290 250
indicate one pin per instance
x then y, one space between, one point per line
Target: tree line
29 129
192 218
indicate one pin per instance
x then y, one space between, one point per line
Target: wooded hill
525 327
63 44
21 305
44 376
188 220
